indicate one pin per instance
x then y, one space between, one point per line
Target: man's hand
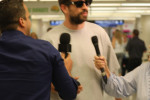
100 62
68 62
53 88
80 88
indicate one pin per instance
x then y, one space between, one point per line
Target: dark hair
63 1
10 12
66 2
136 32
49 29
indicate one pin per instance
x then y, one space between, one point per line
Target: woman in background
118 45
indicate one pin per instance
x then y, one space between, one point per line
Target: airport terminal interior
124 15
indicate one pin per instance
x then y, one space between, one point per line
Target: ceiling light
130 11
29 0
106 4
45 16
135 4
104 8
133 8
109 0
48 0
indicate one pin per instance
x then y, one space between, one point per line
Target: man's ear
21 22
64 8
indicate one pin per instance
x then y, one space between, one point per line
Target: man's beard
77 19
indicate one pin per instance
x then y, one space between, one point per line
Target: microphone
95 43
64 45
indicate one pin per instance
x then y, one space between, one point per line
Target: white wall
39 27
143 24
36 27
145 29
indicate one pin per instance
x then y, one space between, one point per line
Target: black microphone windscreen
65 38
94 40
95 43
64 45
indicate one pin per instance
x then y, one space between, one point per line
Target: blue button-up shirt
137 81
27 68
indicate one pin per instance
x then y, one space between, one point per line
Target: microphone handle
66 54
103 72
104 75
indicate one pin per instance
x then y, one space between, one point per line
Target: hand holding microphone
101 63
64 47
68 62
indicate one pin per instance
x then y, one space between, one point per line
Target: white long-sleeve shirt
137 81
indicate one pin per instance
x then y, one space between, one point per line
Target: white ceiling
117 9
100 9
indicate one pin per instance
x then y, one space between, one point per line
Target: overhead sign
109 23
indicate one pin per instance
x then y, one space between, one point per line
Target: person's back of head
10 12
136 32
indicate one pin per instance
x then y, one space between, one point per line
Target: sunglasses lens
79 3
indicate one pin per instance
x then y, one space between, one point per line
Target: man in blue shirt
28 66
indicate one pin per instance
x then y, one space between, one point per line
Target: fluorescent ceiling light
121 11
102 11
105 4
120 4
29 0
119 8
48 0
135 4
130 11
104 8
45 16
109 0
133 8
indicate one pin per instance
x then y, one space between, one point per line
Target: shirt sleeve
122 86
64 84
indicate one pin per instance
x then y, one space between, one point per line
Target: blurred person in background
135 48
34 35
125 58
118 45
83 51
48 29
28 66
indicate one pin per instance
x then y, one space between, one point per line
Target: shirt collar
12 33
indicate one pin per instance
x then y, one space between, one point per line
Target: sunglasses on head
79 4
